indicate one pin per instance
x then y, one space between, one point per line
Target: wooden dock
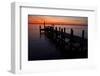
66 41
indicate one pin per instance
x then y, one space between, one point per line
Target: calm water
35 34
40 48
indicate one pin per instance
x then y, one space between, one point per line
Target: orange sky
33 19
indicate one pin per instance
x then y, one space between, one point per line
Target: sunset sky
66 20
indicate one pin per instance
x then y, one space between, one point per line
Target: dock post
44 23
59 29
40 30
62 38
61 33
82 41
56 32
82 34
71 32
64 30
56 28
71 39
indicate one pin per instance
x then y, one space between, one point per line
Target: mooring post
82 34
40 28
71 32
82 41
64 30
44 23
62 39
55 32
71 39
56 28
52 30
59 29
61 32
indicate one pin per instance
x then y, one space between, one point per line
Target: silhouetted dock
66 41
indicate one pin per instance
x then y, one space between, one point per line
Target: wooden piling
44 23
40 30
71 32
82 34
64 30
71 39
59 29
82 41
40 26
